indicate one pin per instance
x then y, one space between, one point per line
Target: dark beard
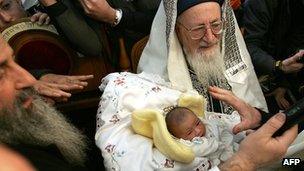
41 125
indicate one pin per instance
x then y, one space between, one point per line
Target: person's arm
73 26
133 20
256 21
259 148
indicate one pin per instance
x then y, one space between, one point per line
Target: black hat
183 5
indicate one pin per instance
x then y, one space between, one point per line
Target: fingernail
236 130
281 117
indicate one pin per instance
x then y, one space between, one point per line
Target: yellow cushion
196 103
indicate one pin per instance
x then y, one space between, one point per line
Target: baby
183 123
210 137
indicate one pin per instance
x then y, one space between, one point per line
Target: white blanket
121 148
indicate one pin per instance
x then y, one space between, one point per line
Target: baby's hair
176 116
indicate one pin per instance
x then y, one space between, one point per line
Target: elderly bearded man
31 127
194 45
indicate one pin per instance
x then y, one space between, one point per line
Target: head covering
38 46
163 55
183 5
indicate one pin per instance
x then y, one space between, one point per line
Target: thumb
239 127
273 124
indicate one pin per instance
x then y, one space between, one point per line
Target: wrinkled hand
51 90
250 117
41 18
99 10
260 148
67 82
291 64
279 95
57 86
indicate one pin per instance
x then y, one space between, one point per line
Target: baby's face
190 128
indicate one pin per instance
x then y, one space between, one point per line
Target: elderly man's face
10 10
12 77
207 15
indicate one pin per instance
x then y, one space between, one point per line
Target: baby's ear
194 102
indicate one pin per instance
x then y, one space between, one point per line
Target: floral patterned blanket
121 148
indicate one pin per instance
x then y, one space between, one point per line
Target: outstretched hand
250 117
58 87
67 82
51 90
292 64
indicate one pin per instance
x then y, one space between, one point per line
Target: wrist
278 67
47 3
111 16
237 163
245 162
118 16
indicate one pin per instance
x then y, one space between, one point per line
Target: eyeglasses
198 32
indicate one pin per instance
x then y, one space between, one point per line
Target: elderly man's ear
178 32
177 29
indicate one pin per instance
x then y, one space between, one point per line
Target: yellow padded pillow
196 103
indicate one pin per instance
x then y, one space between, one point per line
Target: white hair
207 65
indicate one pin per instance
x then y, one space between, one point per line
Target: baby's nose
197 131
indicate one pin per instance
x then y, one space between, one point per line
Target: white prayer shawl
171 64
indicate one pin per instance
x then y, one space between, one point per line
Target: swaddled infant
210 137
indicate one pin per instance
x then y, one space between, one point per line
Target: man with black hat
196 44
